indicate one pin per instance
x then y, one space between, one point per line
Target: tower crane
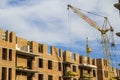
88 49
106 45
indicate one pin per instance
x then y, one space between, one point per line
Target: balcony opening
49 64
4 53
41 63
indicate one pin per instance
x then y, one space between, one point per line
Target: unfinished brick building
105 71
21 59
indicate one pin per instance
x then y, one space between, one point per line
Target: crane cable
69 32
106 21
91 13
106 18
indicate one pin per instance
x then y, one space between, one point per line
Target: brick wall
50 55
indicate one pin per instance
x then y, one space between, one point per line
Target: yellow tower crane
88 49
106 45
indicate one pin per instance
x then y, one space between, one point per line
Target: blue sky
49 22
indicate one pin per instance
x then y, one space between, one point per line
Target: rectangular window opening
74 68
60 78
50 77
81 60
49 64
88 60
4 73
40 48
4 53
93 61
10 40
40 77
41 63
94 73
59 66
10 74
10 55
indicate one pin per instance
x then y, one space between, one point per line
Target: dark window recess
88 60
80 59
10 40
94 73
40 77
10 55
93 61
4 73
106 74
81 71
29 63
29 77
89 71
41 63
50 77
10 74
60 78
104 62
4 53
40 48
49 64
74 68
59 66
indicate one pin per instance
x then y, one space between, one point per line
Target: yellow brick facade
21 59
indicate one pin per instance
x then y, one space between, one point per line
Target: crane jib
104 36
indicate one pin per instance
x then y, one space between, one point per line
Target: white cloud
46 21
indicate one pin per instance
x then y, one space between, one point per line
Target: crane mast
104 38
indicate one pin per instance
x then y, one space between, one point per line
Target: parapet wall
7 39
11 40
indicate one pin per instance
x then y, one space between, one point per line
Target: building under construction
21 59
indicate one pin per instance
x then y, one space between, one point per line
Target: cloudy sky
49 22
